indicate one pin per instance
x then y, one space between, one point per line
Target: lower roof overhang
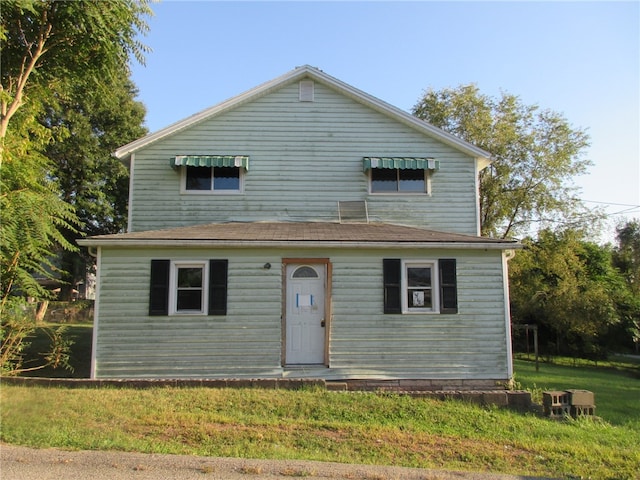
299 235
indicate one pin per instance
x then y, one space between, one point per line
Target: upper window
396 180
213 179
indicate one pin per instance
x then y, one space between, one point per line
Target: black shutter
218 287
159 287
391 270
448 286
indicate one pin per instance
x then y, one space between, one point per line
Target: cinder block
555 398
495 398
415 385
519 400
478 385
558 411
472 396
581 397
266 383
334 386
382 385
191 383
582 410
447 384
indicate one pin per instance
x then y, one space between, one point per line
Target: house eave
142 243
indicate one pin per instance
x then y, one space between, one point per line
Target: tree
49 49
627 253
570 289
32 211
626 257
89 177
64 42
535 155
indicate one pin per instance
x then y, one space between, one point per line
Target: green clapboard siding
248 340
305 157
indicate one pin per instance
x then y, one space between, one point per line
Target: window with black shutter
188 288
415 286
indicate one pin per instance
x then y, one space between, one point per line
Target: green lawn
318 425
616 385
344 427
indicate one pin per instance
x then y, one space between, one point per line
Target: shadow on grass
80 360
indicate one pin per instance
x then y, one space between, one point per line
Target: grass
615 384
318 425
343 427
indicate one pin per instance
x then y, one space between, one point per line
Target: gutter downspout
95 252
507 255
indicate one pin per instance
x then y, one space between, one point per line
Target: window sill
210 192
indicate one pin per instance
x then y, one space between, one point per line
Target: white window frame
173 286
427 185
212 191
435 286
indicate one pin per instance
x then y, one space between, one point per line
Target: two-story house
303 228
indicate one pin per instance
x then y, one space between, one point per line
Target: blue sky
581 59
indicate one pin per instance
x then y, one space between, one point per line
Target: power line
611 203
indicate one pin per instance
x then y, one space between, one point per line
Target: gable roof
276 234
319 76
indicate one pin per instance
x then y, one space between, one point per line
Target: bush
17 328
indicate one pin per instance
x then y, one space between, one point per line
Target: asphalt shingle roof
297 232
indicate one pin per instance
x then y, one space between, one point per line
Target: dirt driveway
21 463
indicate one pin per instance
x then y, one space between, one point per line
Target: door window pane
305 272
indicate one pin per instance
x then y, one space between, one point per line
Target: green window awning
211 161
402 163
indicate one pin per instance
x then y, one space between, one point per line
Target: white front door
305 320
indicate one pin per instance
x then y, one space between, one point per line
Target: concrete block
519 400
266 383
581 397
583 410
495 398
558 411
553 398
415 385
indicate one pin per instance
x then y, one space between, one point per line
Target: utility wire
611 203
